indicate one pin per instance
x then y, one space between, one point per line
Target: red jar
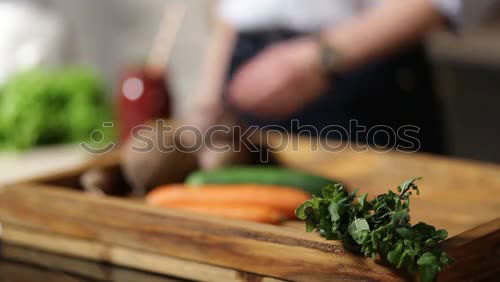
142 96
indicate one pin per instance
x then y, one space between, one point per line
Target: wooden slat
257 248
477 254
117 255
64 265
12 272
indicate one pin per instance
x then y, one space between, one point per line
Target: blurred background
106 36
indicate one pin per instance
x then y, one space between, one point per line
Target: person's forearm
384 29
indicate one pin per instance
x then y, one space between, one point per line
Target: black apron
392 93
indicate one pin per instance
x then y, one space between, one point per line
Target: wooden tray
457 195
27 264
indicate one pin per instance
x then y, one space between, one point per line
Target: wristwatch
330 60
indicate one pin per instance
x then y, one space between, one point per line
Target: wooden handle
164 41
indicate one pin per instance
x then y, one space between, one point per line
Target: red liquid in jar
142 96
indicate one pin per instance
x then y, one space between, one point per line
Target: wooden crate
457 195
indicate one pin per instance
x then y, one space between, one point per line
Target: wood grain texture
455 194
256 248
117 255
477 254
63 266
12 272
458 195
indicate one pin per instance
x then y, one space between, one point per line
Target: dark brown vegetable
146 168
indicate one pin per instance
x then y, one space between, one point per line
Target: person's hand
279 81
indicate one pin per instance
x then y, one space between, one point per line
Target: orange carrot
280 198
255 213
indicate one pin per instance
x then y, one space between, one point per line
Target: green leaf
441 234
401 218
359 230
427 273
430 243
362 201
424 230
428 267
409 184
310 225
328 192
427 259
333 209
300 212
405 233
395 254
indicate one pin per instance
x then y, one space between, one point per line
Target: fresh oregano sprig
378 228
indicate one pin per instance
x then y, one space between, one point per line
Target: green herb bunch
378 228
52 106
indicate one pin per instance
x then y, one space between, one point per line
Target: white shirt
311 15
299 15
